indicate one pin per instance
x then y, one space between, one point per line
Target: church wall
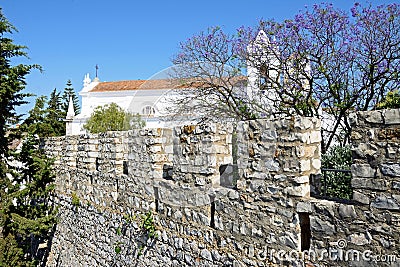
133 101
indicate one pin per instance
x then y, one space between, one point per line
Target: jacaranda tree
324 62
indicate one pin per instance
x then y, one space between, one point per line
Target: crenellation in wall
199 150
367 223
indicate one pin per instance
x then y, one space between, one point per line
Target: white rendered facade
146 102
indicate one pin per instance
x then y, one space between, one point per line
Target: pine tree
29 214
35 123
46 118
70 92
55 114
25 213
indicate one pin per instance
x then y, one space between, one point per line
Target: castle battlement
222 195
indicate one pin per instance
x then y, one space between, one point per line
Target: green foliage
12 254
35 122
148 225
47 117
55 115
75 199
129 219
338 184
118 231
392 100
112 118
12 82
27 211
70 92
117 248
140 250
245 111
26 214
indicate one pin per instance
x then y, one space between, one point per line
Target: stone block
304 207
305 165
303 123
385 202
92 154
315 137
213 139
355 135
366 149
255 185
391 152
360 239
221 160
396 185
290 240
362 170
257 166
321 226
280 177
241 184
198 161
158 158
392 116
301 179
298 191
347 211
169 149
373 116
267 150
353 119
302 137
272 165
205 254
396 197
309 151
269 136
361 198
370 183
390 169
155 149
233 195
316 164
220 149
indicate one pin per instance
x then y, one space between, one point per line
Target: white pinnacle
86 80
71 111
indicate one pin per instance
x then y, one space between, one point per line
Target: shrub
338 184
112 118
75 199
392 100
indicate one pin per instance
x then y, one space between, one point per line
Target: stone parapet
222 195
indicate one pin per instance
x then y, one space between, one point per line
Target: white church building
142 97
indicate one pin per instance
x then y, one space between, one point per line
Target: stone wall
364 231
206 212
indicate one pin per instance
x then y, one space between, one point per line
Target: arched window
148 111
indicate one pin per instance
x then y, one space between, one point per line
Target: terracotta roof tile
152 84
134 85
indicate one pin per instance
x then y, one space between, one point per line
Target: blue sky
127 39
